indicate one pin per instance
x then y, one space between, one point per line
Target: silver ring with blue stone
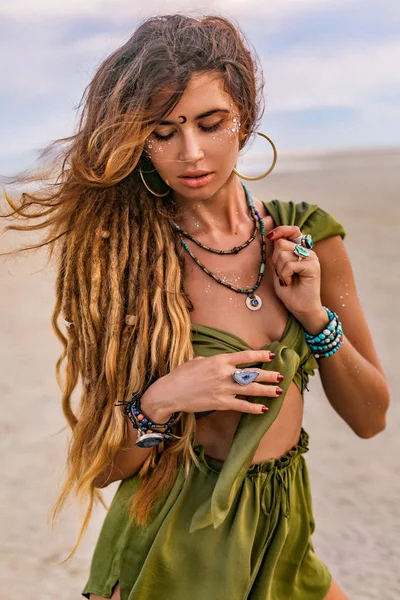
301 252
304 240
244 377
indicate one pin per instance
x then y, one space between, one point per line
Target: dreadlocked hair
120 268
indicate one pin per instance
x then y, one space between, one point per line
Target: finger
303 268
281 282
282 248
280 258
258 389
249 356
284 231
288 264
245 406
265 376
284 268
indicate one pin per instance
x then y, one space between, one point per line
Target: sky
331 68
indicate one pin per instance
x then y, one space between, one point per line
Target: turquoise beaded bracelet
329 340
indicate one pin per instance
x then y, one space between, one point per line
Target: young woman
194 316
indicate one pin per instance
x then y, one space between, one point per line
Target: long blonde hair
120 270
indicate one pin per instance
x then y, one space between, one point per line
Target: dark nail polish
280 378
270 235
271 355
281 283
279 391
265 409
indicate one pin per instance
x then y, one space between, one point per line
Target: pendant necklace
253 301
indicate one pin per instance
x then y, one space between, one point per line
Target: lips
195 181
197 173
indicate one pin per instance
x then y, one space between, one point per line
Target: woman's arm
127 461
130 457
353 378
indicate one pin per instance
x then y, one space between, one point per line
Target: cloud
327 69
115 9
346 76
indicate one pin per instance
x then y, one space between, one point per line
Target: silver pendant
253 302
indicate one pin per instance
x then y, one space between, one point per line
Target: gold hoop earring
150 190
246 177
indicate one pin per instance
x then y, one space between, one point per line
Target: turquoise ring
307 241
301 252
304 240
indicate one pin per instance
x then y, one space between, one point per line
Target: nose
191 150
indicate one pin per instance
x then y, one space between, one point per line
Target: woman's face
200 134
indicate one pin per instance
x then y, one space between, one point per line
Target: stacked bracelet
147 434
329 340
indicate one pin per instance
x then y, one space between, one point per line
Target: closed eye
209 129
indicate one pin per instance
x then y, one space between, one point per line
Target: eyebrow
202 116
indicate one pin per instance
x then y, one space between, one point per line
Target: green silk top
292 358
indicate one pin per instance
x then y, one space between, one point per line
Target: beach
355 482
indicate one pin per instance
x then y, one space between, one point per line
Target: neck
224 213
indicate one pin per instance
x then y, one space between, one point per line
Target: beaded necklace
253 301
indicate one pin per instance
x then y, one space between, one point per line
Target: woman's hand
203 384
297 282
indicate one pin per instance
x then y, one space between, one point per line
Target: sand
355 482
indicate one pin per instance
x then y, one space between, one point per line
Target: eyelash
210 129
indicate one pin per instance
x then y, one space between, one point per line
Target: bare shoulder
261 208
339 293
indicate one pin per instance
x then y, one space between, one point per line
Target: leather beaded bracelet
147 434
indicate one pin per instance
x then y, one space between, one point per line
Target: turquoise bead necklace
253 301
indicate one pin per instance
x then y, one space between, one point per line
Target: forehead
204 91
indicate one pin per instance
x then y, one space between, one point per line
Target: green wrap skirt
262 550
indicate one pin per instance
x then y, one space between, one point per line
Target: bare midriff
215 431
217 306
